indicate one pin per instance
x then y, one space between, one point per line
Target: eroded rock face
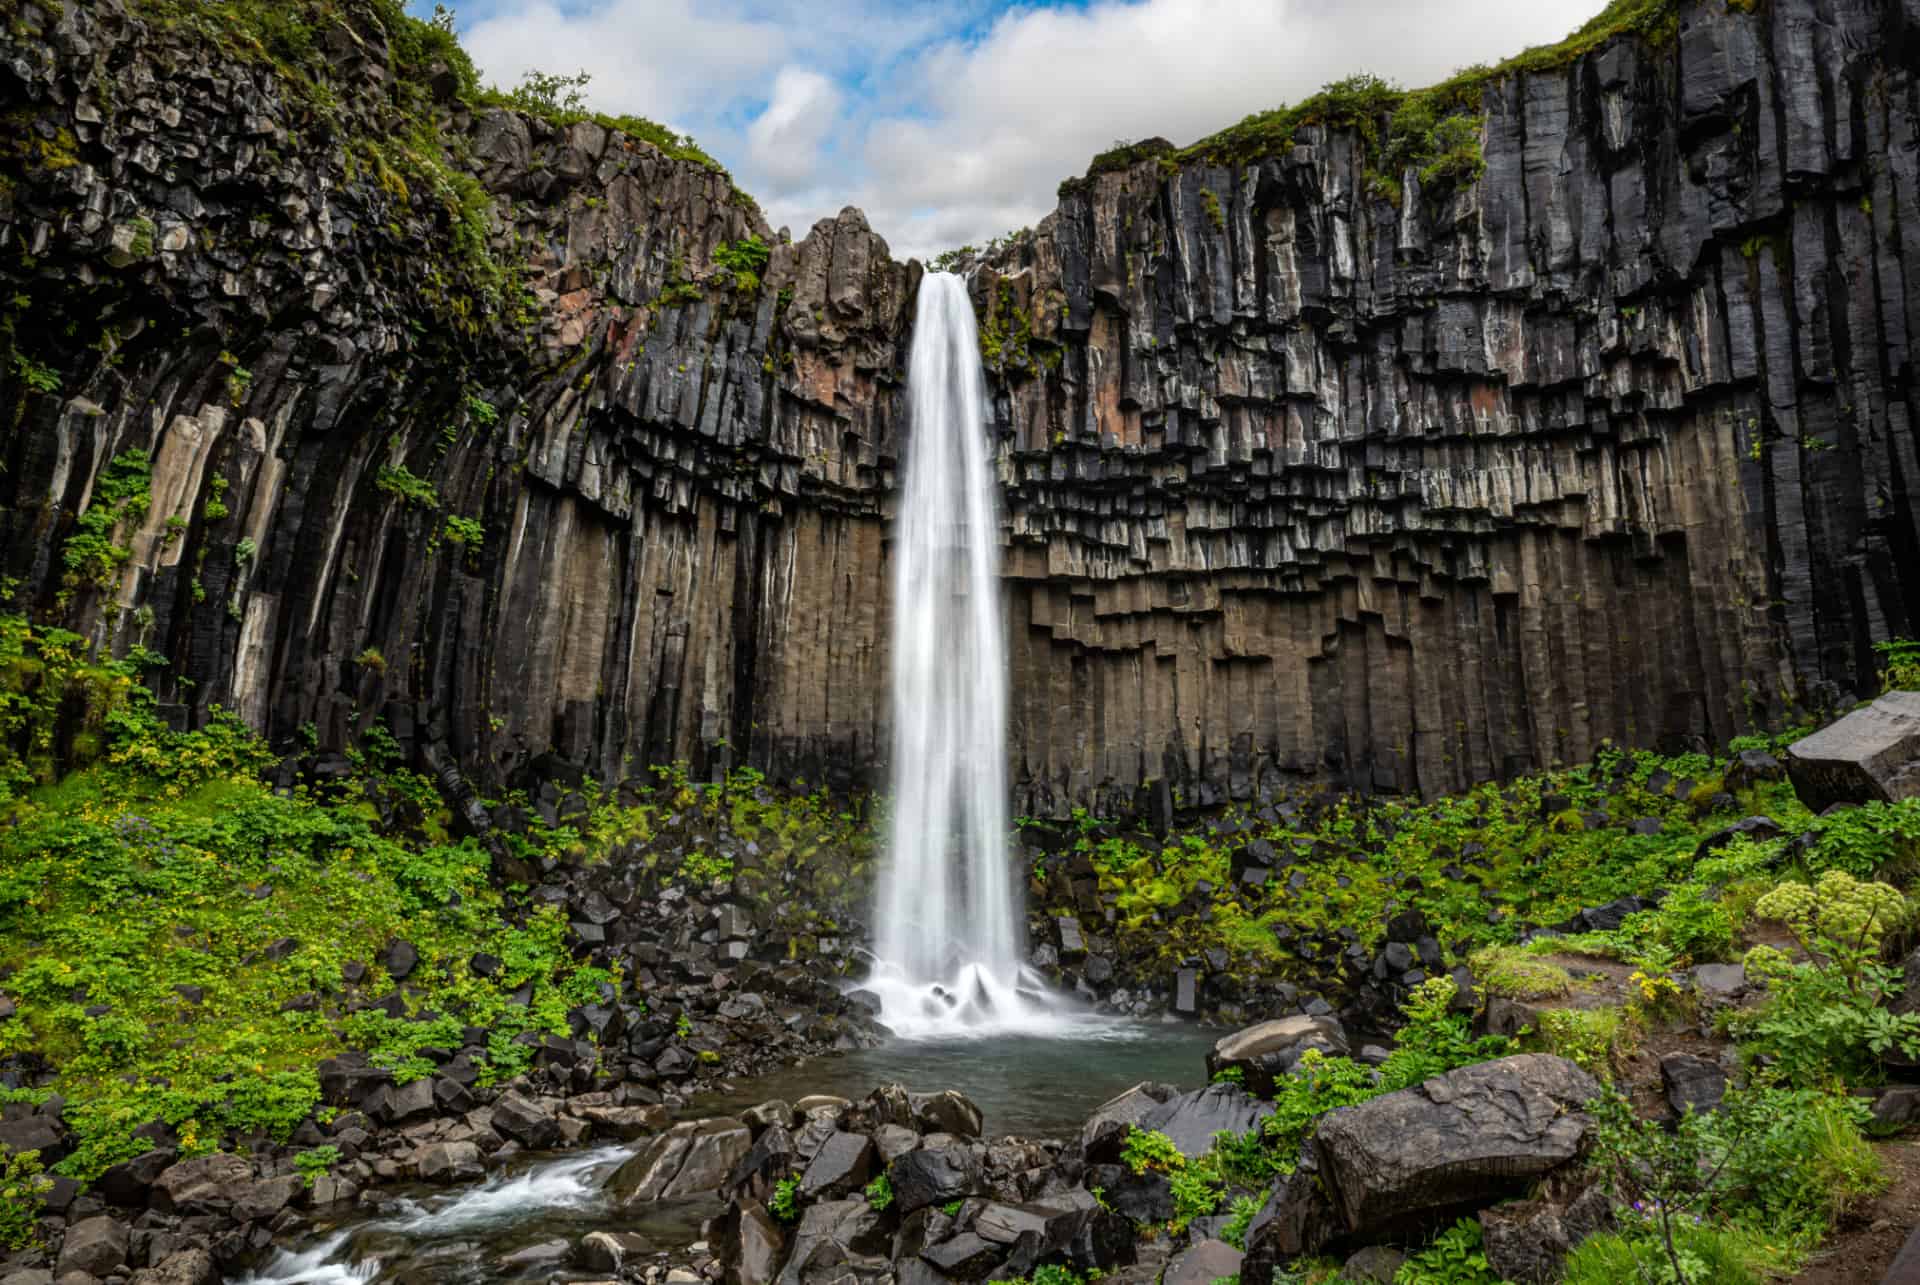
1615 441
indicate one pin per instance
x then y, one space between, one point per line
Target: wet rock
840 1168
948 1111
1757 828
1105 1132
449 1162
690 1159
1191 1119
834 1238
609 1251
750 1245
528 1123
934 1175
1870 754
1266 1051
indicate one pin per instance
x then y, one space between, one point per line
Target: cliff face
1615 441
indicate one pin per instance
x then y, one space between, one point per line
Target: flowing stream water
947 927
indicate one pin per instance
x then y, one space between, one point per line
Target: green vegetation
397 480
23 1190
783 1204
1900 664
561 100
1150 1151
466 532
37 378
1454 1257
879 1193
746 260
312 1163
1433 131
120 495
159 982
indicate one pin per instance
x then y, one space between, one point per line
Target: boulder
525 1121
837 1238
184 1267
1871 754
968 1256
1527 1242
96 1245
1105 1131
1692 1083
946 1112
934 1175
690 1159
1374 1265
1268 1050
840 1168
204 1184
1406 1161
449 1162
1202 1264
609 1251
748 1242
1191 1119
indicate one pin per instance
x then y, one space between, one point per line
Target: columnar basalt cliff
1305 477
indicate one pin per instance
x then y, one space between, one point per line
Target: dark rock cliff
1616 441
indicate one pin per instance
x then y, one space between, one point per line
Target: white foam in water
571 1183
947 926
321 1265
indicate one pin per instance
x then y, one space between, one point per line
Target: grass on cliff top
173 929
1410 118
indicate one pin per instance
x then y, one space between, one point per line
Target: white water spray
948 927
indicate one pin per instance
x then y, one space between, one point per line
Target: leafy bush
783 1204
1454 1257
880 1193
1865 841
1150 1151
120 495
397 480
1900 664
310 1164
1823 1018
23 1191
745 259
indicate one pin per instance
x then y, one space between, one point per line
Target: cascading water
947 925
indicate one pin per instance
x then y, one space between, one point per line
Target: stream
521 1224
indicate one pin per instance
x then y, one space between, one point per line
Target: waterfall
947 923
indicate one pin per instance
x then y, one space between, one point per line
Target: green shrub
120 495
397 480
310 1164
1865 841
1823 1018
1900 664
1454 1257
1591 1038
1150 1151
880 1193
1513 972
23 1191
783 1204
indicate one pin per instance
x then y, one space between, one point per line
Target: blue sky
950 121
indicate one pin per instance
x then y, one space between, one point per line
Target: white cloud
945 130
784 142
